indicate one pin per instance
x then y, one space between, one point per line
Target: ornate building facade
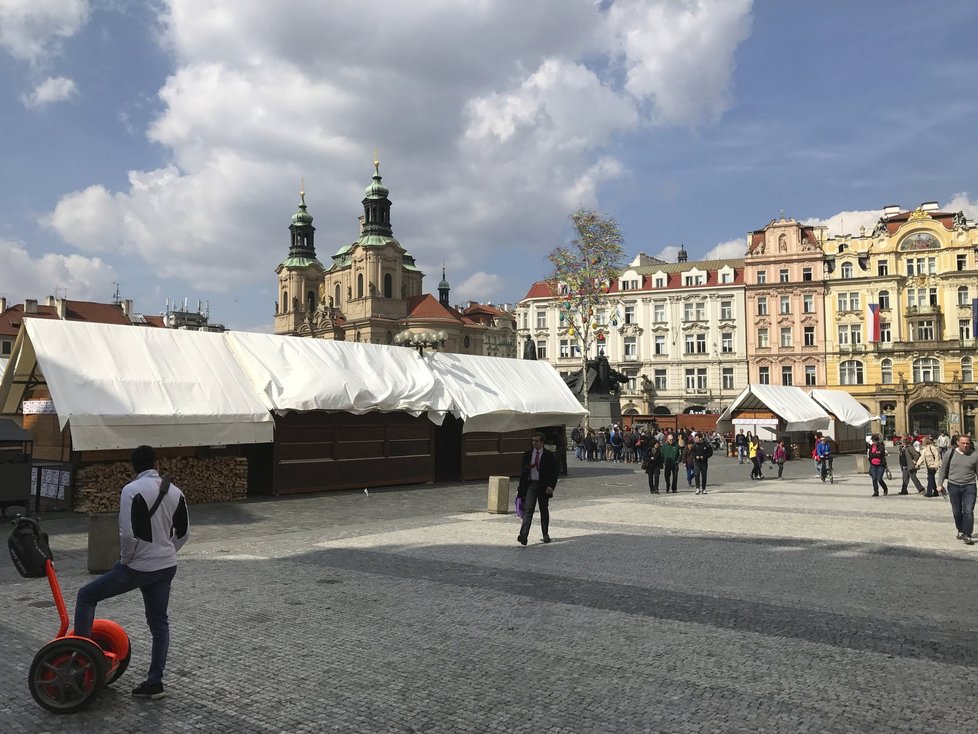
372 290
675 330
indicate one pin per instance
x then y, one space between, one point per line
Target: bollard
499 495
103 541
862 464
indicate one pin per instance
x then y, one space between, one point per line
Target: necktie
536 459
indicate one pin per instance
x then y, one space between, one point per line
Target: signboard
755 421
38 407
54 481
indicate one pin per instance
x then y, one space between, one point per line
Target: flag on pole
873 322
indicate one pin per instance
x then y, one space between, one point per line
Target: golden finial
376 160
302 190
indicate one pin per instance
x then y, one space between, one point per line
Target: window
785 306
843 334
542 319
967 370
806 274
701 311
388 286
786 336
762 305
882 267
660 344
629 285
726 310
786 376
660 379
727 378
541 349
926 370
846 271
5 348
359 285
689 312
885 332
726 277
632 383
659 313
808 303
809 336
783 275
690 343
964 298
696 344
964 328
726 343
922 330
810 374
631 348
886 371
962 262
762 276
696 378
848 301
842 301
693 280
764 375
701 343
884 299
564 348
660 282
336 296
850 334
630 313
851 372
762 339
921 265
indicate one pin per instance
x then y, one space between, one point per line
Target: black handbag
29 548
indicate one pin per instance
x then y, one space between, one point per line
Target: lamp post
421 340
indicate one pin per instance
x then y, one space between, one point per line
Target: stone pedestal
862 465
103 541
498 495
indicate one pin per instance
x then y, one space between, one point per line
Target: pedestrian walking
741 443
755 455
909 457
959 471
930 459
876 453
652 464
701 451
538 478
671 459
153 525
688 461
823 452
780 456
943 442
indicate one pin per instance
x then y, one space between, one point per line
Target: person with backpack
876 453
909 458
930 459
153 525
629 443
780 455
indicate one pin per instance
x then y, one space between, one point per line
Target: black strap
164 486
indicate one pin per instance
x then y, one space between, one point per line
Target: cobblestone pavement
771 606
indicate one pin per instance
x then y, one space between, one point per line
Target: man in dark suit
538 478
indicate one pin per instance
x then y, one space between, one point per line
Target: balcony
852 348
927 309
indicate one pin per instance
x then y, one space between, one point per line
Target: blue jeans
962 498
876 472
155 586
741 453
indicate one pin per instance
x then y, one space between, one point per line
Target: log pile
206 479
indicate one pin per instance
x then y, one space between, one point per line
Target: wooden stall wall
317 452
493 454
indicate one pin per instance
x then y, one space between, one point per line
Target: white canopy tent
122 386
843 406
794 409
499 395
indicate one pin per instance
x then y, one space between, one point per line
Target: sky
159 147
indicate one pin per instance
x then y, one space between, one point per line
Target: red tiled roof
427 306
896 221
87 311
540 289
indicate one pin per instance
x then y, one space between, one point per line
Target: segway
70 671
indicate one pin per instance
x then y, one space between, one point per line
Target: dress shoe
546 538
521 539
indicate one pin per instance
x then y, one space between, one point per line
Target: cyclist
823 453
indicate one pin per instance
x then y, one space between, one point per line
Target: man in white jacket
153 525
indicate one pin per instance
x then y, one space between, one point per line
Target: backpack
29 548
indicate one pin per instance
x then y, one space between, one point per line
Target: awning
122 386
498 394
843 406
790 404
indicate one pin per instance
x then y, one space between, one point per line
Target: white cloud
33 29
847 222
53 89
669 254
479 286
83 278
729 250
961 202
494 120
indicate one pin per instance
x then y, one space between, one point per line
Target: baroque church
372 290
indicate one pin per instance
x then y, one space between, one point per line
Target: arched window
336 296
926 370
884 299
285 301
963 296
388 286
967 370
886 368
851 372
846 271
359 286
311 301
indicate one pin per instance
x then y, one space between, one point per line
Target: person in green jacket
671 459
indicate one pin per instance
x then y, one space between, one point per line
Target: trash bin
103 541
498 496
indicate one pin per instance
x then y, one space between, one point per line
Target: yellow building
901 315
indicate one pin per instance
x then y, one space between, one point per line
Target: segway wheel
110 636
67 674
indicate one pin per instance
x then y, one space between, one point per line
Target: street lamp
421 340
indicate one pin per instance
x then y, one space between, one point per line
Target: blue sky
161 145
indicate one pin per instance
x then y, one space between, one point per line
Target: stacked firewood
207 479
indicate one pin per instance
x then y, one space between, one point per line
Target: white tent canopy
843 406
122 386
320 374
798 411
492 394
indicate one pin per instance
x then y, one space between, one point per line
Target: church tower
443 289
300 276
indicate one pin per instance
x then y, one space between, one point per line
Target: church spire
376 206
443 288
302 244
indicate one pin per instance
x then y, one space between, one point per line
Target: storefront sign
38 407
755 421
